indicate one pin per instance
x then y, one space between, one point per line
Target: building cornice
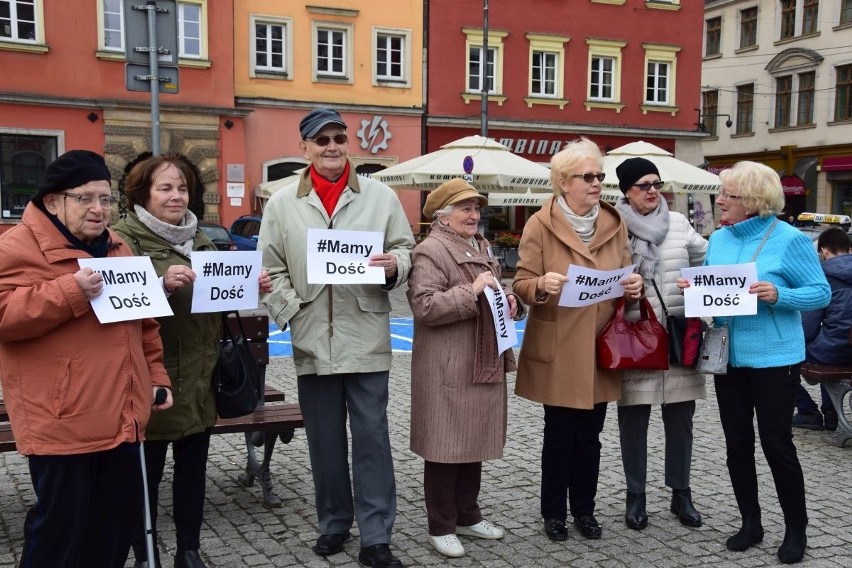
112 104
562 127
340 107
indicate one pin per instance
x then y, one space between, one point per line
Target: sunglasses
590 177
649 184
326 140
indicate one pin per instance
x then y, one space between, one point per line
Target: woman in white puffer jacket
663 242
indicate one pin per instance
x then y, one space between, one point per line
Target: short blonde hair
759 187
567 161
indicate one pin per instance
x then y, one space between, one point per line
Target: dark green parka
190 341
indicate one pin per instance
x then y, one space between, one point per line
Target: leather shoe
555 530
636 517
378 556
792 550
188 559
588 526
750 533
684 509
328 544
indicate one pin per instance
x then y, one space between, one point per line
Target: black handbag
685 335
236 378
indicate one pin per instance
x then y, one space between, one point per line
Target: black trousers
633 433
451 491
87 507
770 393
188 486
570 460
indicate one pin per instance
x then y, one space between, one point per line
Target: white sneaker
482 529
448 545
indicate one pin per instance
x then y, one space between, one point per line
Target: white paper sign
587 286
340 257
235 190
503 324
132 289
225 280
720 290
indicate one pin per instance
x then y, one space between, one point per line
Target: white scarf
583 224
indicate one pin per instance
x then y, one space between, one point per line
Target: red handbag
642 344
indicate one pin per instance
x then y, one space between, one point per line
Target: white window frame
286 69
202 31
102 29
548 44
611 50
474 40
38 25
389 80
667 55
346 73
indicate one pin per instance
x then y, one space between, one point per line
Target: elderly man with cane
79 393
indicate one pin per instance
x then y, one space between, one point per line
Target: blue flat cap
315 120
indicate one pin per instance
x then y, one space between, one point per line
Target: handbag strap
660 296
765 237
226 329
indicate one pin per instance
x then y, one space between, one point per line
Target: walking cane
159 398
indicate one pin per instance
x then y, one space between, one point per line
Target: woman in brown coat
458 378
557 364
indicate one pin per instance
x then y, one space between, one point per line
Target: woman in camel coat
557 365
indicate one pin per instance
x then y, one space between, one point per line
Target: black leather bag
236 378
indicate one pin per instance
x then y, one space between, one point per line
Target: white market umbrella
495 168
530 199
679 176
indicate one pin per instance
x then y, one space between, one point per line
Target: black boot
792 550
636 518
684 509
188 559
750 533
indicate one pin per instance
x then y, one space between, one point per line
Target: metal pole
154 71
483 129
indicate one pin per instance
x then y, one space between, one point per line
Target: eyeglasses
649 184
106 201
727 195
590 177
325 140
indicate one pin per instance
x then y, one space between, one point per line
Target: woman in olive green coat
160 226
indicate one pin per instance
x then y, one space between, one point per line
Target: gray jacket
335 328
682 247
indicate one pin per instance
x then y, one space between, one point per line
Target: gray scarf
646 233
180 236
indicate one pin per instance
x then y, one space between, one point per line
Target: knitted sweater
773 337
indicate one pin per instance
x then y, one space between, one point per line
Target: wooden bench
837 381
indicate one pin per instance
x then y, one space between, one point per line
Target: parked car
218 234
813 224
244 232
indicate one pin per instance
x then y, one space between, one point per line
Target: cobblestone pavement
239 531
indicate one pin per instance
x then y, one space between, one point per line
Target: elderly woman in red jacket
79 393
458 377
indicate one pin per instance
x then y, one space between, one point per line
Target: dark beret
315 120
71 169
629 171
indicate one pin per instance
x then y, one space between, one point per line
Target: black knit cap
629 171
71 169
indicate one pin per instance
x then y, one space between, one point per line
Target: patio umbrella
679 176
493 168
530 199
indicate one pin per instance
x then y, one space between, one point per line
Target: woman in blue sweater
766 349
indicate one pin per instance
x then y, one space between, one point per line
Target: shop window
23 161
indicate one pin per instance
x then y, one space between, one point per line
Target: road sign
136 32
138 78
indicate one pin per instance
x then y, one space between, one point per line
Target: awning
530 199
793 185
837 164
